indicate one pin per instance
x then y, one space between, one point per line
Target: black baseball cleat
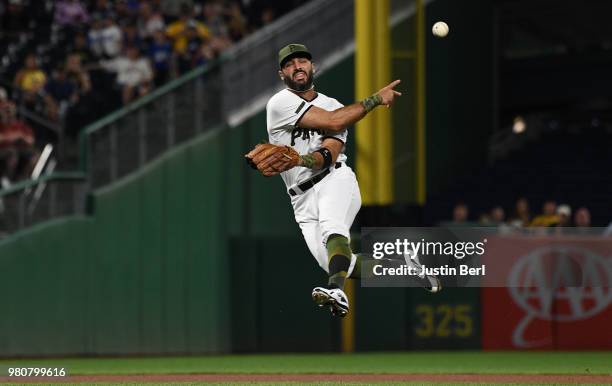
333 298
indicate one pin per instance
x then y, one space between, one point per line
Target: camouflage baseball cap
292 50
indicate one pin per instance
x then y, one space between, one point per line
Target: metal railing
51 195
132 136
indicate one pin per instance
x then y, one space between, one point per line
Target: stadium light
519 125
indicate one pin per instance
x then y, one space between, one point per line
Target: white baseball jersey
330 206
283 113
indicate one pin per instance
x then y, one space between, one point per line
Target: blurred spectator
184 29
94 36
16 142
150 21
521 216
498 216
79 46
30 78
194 53
548 217
77 73
85 104
160 52
213 17
131 36
60 92
70 13
134 73
29 95
111 37
460 213
105 37
565 215
69 82
582 218
236 22
267 15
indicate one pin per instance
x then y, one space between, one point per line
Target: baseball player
307 132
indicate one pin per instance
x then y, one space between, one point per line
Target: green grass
415 362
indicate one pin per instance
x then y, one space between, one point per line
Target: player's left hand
271 159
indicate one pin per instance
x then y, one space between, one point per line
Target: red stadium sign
557 294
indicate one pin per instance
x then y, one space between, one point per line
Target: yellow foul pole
364 84
372 72
382 129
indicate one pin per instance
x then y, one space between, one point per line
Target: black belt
304 186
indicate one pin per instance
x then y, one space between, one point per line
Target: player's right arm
338 120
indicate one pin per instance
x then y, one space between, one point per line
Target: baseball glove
271 159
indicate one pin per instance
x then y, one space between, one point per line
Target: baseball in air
440 29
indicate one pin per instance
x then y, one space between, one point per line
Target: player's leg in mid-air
325 214
339 201
331 296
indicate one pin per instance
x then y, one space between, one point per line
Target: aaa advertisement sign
558 293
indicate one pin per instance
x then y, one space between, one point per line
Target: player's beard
297 86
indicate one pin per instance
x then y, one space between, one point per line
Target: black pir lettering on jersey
305 134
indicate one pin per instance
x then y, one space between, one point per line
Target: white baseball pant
328 208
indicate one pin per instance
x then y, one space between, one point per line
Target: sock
339 255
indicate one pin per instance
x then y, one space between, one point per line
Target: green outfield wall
146 273
413 319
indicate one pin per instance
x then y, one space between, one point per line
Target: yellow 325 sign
444 321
